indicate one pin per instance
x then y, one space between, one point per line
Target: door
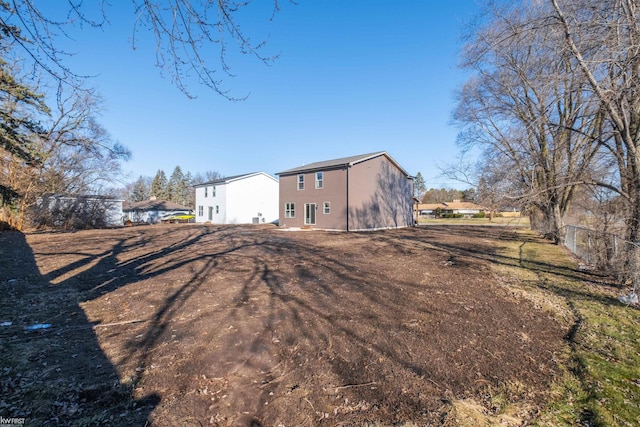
309 213
210 213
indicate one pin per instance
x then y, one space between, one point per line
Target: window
200 210
326 208
289 210
319 180
205 191
300 182
213 191
217 209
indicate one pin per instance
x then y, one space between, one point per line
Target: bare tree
193 39
79 153
75 154
208 176
529 111
604 40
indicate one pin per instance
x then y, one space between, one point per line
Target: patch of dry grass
600 385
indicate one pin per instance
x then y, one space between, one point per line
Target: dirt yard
183 324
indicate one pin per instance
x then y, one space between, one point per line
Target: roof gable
342 162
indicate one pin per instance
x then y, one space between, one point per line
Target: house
84 211
242 199
455 207
365 192
150 211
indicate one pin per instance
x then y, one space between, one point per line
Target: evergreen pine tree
177 187
19 125
141 190
419 186
159 186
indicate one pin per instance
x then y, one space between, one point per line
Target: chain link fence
595 248
606 252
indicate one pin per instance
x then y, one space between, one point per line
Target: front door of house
309 213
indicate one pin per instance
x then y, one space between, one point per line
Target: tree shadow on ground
241 325
53 369
473 248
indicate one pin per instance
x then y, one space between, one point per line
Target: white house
78 211
242 199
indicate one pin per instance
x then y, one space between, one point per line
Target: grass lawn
518 222
601 384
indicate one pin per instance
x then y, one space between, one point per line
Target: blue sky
352 77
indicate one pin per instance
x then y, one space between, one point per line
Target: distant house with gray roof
455 207
365 192
150 211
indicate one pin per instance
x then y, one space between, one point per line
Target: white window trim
291 208
307 221
319 181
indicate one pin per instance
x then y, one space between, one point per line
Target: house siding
372 194
253 197
85 211
239 201
380 196
333 191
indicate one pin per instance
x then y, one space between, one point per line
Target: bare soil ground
185 324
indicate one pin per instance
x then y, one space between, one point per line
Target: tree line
553 104
178 188
51 141
442 195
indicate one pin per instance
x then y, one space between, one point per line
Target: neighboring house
456 207
56 210
242 199
365 192
150 211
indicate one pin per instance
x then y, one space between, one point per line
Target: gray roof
155 205
231 178
342 162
